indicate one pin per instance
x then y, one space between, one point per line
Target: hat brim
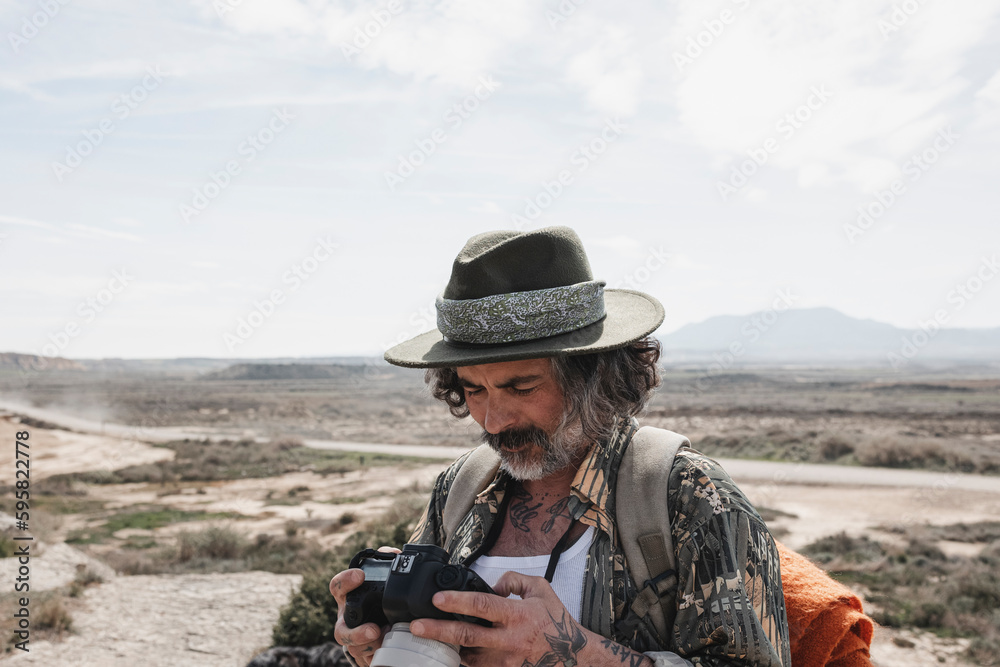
630 316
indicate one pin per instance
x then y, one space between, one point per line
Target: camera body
398 587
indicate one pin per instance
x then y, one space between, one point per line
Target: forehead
503 371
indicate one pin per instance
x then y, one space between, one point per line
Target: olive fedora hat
522 295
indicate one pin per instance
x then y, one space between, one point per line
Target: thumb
523 585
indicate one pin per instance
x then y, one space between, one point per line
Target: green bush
309 617
7 546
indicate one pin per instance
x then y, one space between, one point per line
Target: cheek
476 410
547 410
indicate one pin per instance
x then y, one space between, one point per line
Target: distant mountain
12 361
283 372
207 364
824 335
804 335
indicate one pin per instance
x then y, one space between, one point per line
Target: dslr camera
398 589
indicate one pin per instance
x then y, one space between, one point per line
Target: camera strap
557 552
494 533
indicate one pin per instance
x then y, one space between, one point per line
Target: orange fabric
827 626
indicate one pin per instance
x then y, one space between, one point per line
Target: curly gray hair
598 387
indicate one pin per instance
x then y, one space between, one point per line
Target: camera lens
401 649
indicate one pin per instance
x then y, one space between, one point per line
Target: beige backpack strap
644 524
476 473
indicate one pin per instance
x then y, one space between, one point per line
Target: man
555 369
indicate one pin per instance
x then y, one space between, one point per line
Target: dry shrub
85 577
52 615
213 543
133 562
903 452
917 585
835 447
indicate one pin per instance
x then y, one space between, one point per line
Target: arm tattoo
521 511
623 653
559 509
566 644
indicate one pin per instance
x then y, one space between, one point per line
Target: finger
453 632
363 653
345 582
522 585
368 633
481 605
389 550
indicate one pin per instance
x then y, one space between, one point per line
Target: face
520 406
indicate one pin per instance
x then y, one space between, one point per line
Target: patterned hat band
521 316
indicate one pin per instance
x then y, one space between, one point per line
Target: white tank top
567 581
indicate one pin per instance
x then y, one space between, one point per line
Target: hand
361 642
535 631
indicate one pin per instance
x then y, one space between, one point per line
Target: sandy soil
53 452
826 510
224 619
258 513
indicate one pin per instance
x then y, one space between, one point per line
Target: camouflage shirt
729 602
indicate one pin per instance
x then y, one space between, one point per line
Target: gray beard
558 452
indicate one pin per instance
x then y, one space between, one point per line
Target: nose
498 416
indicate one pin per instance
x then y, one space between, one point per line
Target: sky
286 178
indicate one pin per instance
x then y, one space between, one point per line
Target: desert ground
172 512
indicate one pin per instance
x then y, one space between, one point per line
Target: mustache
517 438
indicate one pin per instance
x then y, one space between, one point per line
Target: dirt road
742 470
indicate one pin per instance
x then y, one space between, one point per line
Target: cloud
610 71
96 232
889 92
25 222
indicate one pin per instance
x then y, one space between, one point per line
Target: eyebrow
512 382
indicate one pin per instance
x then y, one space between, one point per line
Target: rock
55 565
903 642
194 620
